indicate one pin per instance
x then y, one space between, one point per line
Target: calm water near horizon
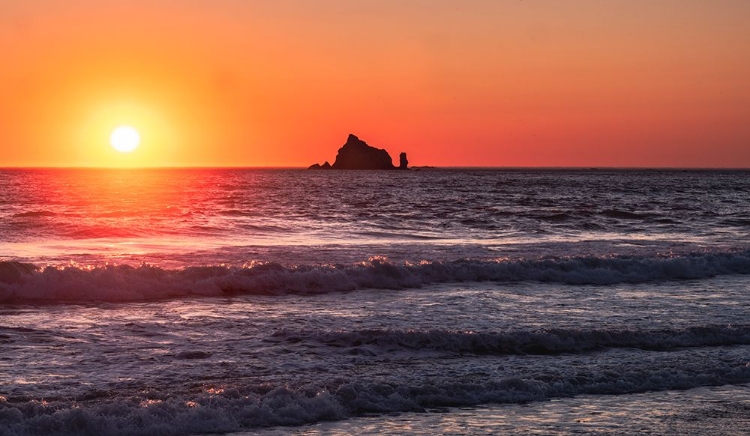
464 301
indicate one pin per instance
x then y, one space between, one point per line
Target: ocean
429 301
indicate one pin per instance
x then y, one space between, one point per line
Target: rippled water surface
467 301
161 214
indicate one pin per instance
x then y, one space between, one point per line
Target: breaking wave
27 282
244 406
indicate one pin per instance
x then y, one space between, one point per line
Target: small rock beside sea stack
357 155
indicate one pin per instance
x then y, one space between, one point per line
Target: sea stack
357 155
403 162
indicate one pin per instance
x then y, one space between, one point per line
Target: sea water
215 301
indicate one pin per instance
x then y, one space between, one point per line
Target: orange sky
452 83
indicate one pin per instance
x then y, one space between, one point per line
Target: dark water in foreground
216 301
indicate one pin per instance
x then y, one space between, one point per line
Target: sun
125 139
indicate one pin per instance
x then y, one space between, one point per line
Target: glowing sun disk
125 139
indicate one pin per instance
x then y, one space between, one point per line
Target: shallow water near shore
721 410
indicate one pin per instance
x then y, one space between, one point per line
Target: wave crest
543 342
26 282
248 405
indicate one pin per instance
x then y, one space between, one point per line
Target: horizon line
416 167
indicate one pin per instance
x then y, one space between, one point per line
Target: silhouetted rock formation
403 162
325 166
357 155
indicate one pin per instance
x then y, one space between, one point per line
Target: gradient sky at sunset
452 83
